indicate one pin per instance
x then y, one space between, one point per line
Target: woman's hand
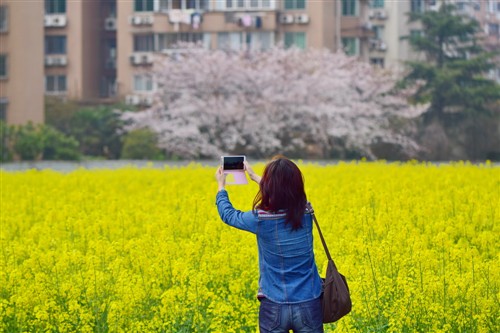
253 176
220 176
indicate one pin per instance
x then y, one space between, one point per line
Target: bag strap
321 236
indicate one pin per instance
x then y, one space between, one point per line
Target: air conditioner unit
148 20
147 58
49 61
371 14
381 14
59 21
382 46
147 100
367 25
302 18
110 24
135 59
59 61
286 19
132 100
142 58
47 21
135 20
53 60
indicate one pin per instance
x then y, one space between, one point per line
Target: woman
289 283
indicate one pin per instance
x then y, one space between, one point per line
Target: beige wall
124 41
24 45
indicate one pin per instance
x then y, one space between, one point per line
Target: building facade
389 21
102 50
21 62
146 27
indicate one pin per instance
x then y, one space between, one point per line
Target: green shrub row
72 132
36 142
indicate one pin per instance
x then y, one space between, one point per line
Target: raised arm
253 176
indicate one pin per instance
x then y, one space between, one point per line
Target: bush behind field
144 250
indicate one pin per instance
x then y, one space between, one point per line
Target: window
351 46
3 66
417 6
257 41
144 5
4 23
169 40
55 44
416 33
55 6
3 109
143 83
144 43
230 40
245 4
493 29
295 4
379 31
166 5
349 7
295 39
377 62
377 3
55 83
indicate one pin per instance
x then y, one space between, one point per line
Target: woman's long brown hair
282 188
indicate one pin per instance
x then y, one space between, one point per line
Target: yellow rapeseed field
143 250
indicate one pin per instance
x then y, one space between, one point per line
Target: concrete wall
24 45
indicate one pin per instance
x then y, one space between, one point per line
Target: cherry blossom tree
312 103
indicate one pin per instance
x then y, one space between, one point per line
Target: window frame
4 103
356 46
294 4
58 79
4 18
294 36
377 3
50 42
148 39
4 62
167 5
417 6
236 5
146 80
55 7
144 4
351 10
167 41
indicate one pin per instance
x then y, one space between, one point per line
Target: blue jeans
303 317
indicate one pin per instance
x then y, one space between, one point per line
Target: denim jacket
288 272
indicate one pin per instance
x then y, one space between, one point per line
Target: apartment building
146 27
21 61
80 49
389 21
487 13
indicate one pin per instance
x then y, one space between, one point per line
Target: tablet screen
234 163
